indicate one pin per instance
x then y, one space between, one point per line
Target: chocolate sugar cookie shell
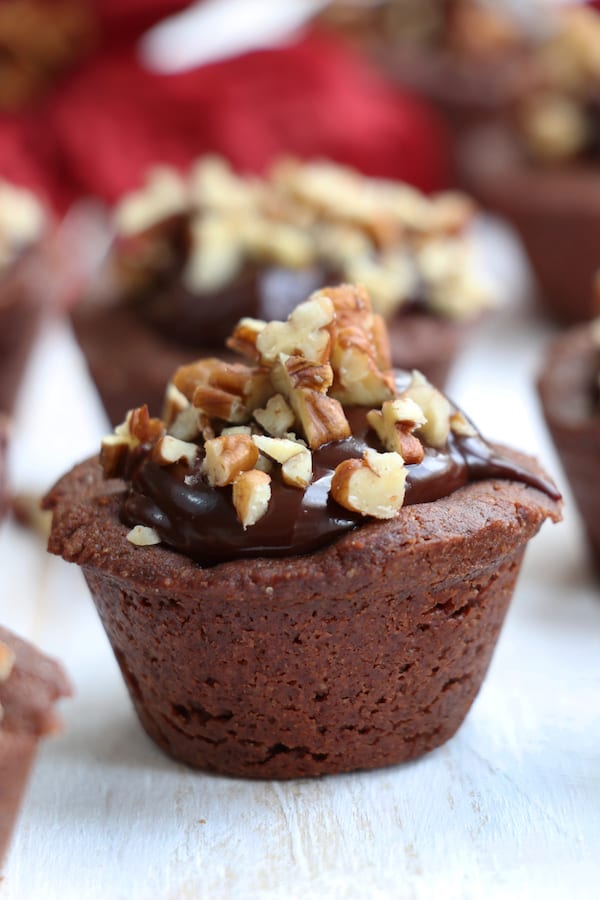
30 685
569 391
304 567
366 653
555 210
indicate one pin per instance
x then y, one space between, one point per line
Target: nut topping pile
403 246
237 425
559 113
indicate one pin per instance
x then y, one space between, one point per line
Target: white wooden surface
509 808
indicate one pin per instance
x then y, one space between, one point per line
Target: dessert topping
313 217
298 446
558 114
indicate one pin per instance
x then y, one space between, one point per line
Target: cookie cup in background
23 222
194 254
555 210
569 390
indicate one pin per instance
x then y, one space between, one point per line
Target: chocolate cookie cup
555 210
464 57
282 606
540 167
193 255
569 390
30 684
22 223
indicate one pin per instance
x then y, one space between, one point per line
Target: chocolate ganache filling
200 521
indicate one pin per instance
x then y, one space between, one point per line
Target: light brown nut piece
216 253
169 450
322 418
294 457
228 377
227 456
187 378
236 429
359 352
228 391
7 660
358 379
297 470
175 402
114 450
218 404
556 128
277 417
347 299
161 196
305 334
182 419
244 337
451 212
459 424
293 373
143 536
409 446
140 427
251 496
436 409
373 486
394 426
279 449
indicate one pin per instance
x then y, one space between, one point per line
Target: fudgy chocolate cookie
304 567
366 653
22 222
569 389
555 209
30 685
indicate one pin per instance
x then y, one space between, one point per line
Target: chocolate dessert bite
462 55
304 566
30 685
541 167
194 255
569 389
22 224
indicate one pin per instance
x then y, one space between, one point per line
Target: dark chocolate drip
200 521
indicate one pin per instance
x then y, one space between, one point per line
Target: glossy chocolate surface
200 521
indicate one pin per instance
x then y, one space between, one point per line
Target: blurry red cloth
104 123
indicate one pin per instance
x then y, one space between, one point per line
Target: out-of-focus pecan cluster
405 247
